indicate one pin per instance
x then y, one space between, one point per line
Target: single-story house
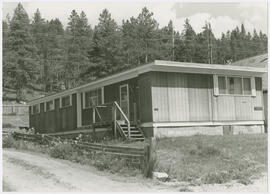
162 98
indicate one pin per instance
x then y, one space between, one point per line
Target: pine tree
39 33
167 42
56 55
189 40
106 53
78 44
23 65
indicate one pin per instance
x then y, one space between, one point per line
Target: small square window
92 98
49 105
66 101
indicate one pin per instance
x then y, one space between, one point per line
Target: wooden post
94 121
150 158
94 115
114 120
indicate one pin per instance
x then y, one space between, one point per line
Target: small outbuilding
161 99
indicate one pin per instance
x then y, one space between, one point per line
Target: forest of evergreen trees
38 51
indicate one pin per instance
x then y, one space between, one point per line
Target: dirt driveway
25 172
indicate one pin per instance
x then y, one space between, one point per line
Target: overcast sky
223 16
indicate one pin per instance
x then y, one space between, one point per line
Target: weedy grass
213 159
67 151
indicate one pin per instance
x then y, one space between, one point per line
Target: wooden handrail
123 114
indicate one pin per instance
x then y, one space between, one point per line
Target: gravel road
26 172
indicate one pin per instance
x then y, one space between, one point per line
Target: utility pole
172 43
209 45
211 54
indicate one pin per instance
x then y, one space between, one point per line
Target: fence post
150 157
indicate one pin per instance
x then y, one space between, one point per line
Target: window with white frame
49 105
234 85
66 101
92 98
36 109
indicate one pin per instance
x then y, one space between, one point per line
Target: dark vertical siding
69 116
111 94
42 119
145 98
58 118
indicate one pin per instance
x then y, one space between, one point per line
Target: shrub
61 151
8 141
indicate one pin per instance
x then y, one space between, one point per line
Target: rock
161 176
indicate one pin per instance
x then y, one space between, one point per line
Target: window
65 101
92 98
233 85
36 109
247 86
222 84
49 105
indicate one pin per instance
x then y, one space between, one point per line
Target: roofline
157 65
246 59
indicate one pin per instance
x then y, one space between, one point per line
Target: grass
213 159
66 151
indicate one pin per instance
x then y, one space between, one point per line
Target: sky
222 16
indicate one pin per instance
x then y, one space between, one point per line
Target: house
159 99
262 62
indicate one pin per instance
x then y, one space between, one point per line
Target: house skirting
226 128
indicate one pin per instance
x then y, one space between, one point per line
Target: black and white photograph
134 96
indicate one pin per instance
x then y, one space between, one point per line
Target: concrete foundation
161 132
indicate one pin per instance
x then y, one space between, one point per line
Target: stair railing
117 107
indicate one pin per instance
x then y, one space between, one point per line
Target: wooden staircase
135 132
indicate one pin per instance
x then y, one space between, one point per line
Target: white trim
199 123
102 95
216 86
165 66
253 89
120 87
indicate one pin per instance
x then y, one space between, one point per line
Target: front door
124 99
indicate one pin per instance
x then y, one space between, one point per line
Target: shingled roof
260 61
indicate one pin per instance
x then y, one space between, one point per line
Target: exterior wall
59 119
145 98
183 97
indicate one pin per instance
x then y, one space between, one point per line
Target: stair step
137 138
135 135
